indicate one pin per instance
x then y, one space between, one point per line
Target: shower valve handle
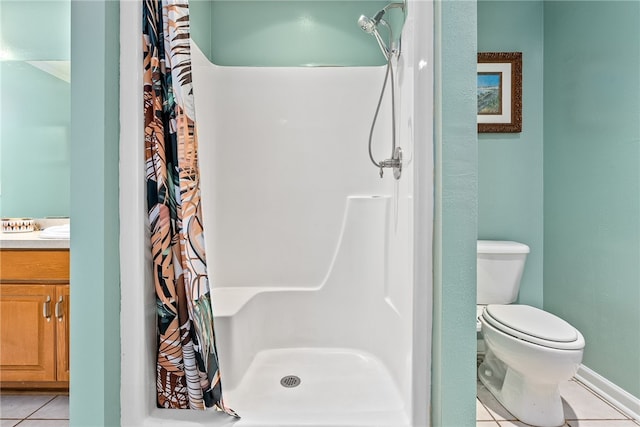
390 163
394 163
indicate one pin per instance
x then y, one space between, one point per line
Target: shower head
368 25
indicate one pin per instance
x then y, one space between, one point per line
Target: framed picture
499 92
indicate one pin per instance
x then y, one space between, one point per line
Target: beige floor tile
581 404
493 406
481 412
44 423
21 406
602 423
8 423
57 409
487 424
518 424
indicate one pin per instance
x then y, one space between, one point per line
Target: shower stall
320 268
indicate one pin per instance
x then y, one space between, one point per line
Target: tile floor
582 408
34 410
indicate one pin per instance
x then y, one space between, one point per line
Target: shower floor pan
337 387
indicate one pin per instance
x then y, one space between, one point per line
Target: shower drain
290 381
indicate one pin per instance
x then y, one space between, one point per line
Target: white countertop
32 240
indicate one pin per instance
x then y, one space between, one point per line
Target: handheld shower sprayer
366 24
370 26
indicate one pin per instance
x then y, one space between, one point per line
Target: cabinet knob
46 309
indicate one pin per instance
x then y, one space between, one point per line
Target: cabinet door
27 333
61 313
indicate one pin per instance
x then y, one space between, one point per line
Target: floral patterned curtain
188 374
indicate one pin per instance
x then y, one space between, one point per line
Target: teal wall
510 166
95 262
34 109
592 180
200 15
34 30
289 32
35 143
453 385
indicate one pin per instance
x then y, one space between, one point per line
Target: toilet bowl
529 352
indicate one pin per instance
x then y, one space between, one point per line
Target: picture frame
499 92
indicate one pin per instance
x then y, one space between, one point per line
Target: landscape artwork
499 86
490 93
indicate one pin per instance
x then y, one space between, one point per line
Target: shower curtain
187 371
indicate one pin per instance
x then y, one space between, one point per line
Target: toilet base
532 403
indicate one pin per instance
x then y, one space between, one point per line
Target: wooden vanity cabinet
34 319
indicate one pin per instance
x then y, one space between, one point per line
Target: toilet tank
500 267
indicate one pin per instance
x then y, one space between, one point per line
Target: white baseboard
618 397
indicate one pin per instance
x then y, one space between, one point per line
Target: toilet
529 352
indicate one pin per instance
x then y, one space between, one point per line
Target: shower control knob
394 163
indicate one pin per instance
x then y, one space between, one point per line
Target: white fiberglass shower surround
320 269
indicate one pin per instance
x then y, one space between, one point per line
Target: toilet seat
533 325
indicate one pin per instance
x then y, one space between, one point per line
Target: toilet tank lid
501 247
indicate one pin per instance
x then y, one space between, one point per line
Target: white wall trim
620 398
